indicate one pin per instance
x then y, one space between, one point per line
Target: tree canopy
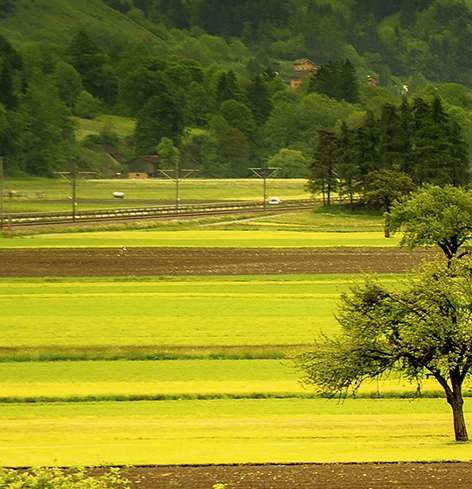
210 67
434 216
421 328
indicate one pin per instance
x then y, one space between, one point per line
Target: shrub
55 478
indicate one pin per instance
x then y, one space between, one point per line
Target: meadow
45 194
227 431
187 370
190 312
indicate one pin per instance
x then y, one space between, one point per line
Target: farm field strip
205 238
174 312
63 380
227 431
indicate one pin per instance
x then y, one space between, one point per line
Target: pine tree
227 87
366 147
323 167
89 61
348 169
394 142
336 79
432 152
349 82
259 101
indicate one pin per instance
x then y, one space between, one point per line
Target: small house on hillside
303 67
142 167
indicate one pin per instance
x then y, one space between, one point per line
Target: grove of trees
416 139
217 85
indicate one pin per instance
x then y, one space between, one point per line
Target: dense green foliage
213 76
422 329
435 216
416 140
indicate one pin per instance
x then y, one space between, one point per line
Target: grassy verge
177 379
42 399
202 238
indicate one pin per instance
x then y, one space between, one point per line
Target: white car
274 201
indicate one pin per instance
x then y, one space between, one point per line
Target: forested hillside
209 80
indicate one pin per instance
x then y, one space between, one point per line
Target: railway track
129 214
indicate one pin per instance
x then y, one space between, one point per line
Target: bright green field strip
222 311
207 238
152 378
228 431
66 379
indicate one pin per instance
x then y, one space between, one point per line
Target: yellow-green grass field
170 379
204 238
250 410
228 431
208 411
193 311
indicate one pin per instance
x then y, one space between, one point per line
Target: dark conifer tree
348 169
349 82
10 64
90 62
366 146
259 101
227 88
394 142
323 168
336 79
439 154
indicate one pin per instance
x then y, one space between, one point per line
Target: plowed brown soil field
196 261
306 476
95 262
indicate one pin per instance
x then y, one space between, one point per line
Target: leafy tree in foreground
434 216
423 328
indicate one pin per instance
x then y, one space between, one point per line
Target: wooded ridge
211 81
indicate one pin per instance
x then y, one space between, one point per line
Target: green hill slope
59 20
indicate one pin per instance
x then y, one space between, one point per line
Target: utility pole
10 195
71 177
2 163
177 174
265 173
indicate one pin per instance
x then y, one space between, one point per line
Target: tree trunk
460 429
